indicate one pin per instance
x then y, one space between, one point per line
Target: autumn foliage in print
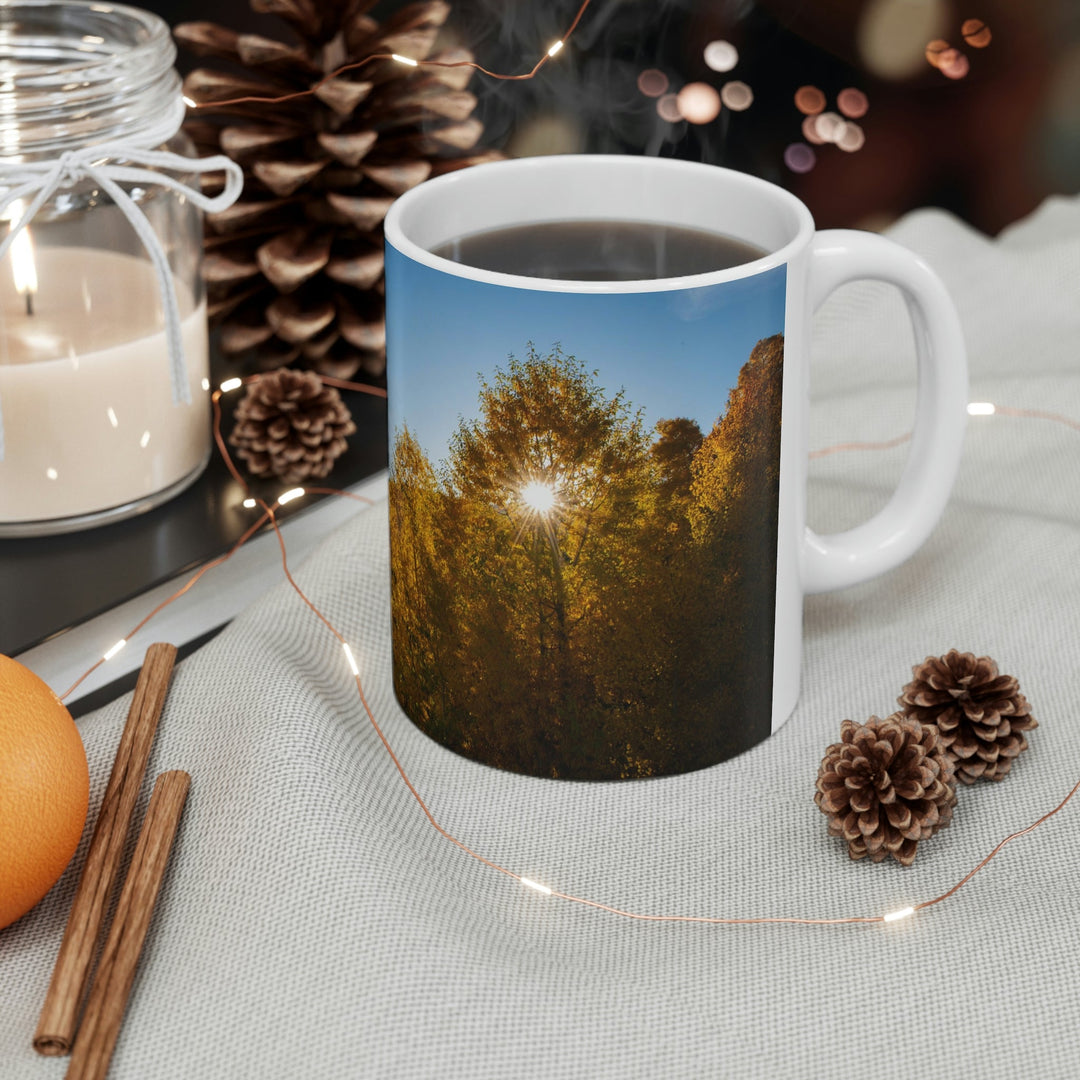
577 596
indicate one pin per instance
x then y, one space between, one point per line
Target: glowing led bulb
231 384
249 504
405 60
530 884
895 916
349 656
981 408
555 48
115 649
288 496
189 103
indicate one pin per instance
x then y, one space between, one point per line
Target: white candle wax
89 421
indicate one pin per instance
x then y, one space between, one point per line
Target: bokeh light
829 126
721 55
800 158
891 35
668 108
809 100
851 138
736 96
698 102
809 131
852 103
953 64
976 33
934 49
652 83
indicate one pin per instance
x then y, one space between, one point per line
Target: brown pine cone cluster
980 713
294 269
887 785
290 426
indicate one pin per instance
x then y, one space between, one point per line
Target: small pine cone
289 425
981 714
885 786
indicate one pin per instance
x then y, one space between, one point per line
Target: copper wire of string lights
554 49
191 582
840 448
975 408
268 515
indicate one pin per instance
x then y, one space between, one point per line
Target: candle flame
23 266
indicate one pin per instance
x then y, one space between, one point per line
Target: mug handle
887 539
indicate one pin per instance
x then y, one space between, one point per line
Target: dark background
989 146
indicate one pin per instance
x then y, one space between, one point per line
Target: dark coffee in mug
599 250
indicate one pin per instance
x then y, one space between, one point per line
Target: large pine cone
885 786
289 425
294 270
981 714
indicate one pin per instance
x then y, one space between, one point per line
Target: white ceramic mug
556 619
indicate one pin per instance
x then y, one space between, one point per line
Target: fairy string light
254 99
269 516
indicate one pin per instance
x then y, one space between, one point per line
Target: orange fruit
44 789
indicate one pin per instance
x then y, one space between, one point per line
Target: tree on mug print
579 593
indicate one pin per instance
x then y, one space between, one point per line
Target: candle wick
29 302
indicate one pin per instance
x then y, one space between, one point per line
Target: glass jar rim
78 72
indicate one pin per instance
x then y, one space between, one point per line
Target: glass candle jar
104 381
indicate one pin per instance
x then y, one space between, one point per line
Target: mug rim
395 228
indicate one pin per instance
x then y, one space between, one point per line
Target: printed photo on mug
583 501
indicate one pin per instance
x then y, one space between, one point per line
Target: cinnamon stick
60 1013
120 957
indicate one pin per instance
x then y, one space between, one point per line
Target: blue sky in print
673 353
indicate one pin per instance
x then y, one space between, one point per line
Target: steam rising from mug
589 100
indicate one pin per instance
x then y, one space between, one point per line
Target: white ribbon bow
39 181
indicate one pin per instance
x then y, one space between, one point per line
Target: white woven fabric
313 924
